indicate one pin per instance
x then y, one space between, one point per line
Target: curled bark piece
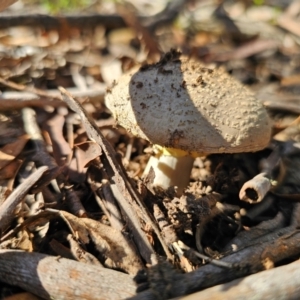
254 190
265 285
51 277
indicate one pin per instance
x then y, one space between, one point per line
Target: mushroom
187 110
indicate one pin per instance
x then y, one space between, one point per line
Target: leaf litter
71 186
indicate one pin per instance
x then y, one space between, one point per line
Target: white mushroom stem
171 169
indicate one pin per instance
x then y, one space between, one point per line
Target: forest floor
73 197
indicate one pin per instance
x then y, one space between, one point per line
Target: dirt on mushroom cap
180 103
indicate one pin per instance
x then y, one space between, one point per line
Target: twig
19 103
285 104
247 261
74 203
90 20
118 176
168 231
32 129
265 285
8 207
246 238
111 206
20 87
51 22
25 97
207 259
52 277
38 98
254 190
256 212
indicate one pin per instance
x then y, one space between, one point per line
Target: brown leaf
291 80
9 152
110 242
10 170
85 153
5 3
289 24
22 296
61 149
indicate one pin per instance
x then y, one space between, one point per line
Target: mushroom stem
171 170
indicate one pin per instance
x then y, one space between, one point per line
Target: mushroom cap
180 103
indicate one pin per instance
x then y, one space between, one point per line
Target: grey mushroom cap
180 103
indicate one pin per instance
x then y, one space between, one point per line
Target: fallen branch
253 259
26 97
54 22
21 87
52 277
267 284
110 22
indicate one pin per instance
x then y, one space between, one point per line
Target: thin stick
8 207
207 259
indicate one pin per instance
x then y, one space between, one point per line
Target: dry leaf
110 242
5 3
22 296
9 152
